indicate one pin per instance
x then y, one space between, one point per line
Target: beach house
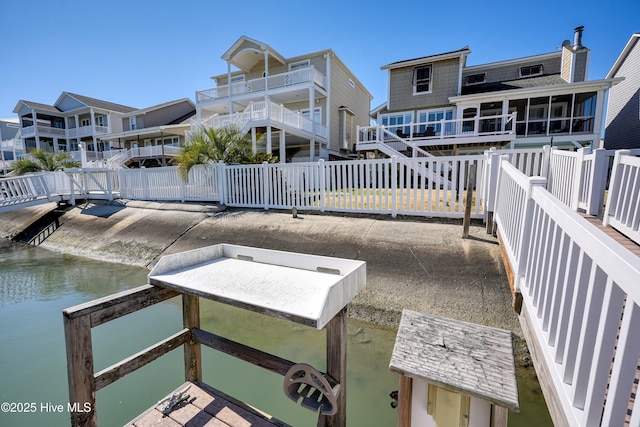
440 104
299 108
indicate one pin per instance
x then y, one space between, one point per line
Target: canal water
36 285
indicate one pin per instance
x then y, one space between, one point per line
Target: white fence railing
577 284
16 192
623 204
167 184
393 186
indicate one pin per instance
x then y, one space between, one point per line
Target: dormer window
422 79
531 70
475 79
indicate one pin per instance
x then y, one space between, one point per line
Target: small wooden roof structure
306 289
462 357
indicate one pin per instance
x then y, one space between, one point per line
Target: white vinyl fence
623 203
434 186
580 297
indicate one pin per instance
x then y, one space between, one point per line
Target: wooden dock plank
206 407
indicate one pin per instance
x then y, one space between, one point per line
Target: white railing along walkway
623 204
577 284
22 191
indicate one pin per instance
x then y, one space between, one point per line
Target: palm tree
211 145
44 161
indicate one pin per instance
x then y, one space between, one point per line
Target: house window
531 70
422 79
171 141
351 83
85 122
235 79
474 79
393 121
429 122
99 120
132 123
317 114
300 64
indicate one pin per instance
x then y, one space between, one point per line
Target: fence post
522 252
471 182
322 184
394 185
616 177
491 185
577 178
72 193
143 182
265 185
545 167
109 184
222 185
182 186
598 178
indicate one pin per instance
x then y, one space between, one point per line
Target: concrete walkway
415 263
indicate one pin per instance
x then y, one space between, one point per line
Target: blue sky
142 53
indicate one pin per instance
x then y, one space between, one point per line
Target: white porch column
254 142
229 88
597 125
266 80
283 148
36 131
268 139
312 93
83 154
312 149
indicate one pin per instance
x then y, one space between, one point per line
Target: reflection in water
36 285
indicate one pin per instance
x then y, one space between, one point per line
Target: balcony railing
291 78
443 129
262 110
42 130
29 131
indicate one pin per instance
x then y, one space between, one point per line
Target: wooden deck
613 233
209 407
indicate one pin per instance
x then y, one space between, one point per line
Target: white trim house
298 108
440 105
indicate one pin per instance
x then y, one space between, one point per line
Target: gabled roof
37 106
143 111
425 59
623 55
246 52
96 103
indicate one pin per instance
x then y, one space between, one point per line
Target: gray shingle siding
444 84
623 111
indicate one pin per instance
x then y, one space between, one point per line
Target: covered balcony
261 114
281 88
476 129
